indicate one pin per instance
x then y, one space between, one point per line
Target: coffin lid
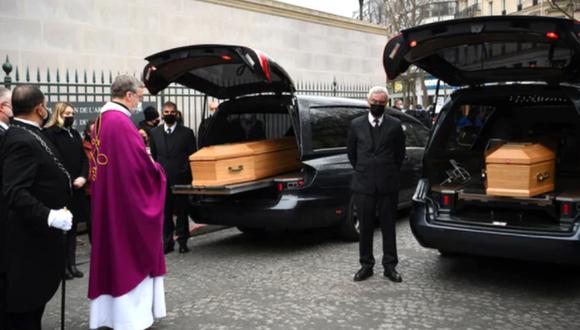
520 154
244 149
489 49
222 71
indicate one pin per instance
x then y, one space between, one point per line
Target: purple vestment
127 201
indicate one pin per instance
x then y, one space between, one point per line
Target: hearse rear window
506 55
468 121
330 125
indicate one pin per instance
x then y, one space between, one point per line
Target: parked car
259 92
517 75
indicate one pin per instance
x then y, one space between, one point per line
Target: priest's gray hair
378 90
123 84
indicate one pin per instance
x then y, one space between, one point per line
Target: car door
489 49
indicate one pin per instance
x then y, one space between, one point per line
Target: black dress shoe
168 249
393 275
363 274
183 248
75 272
68 275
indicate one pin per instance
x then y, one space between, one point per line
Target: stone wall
116 35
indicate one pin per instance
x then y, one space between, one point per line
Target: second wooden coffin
520 170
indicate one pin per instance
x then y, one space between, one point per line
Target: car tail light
226 57
290 185
413 43
552 35
447 201
568 210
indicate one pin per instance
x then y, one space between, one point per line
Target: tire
252 231
349 228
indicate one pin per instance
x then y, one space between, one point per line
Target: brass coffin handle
542 176
236 169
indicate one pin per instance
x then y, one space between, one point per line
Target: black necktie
169 131
376 125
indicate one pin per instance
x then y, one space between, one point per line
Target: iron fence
87 91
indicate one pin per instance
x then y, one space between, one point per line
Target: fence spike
27 74
76 76
47 75
67 77
85 76
17 75
7 67
57 75
102 77
110 77
38 74
94 77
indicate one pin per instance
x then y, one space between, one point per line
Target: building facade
116 36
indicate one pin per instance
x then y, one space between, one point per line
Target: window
330 125
468 122
415 134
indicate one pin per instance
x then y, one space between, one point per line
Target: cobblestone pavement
303 280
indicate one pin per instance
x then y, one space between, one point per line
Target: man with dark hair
36 188
151 120
5 117
376 149
171 144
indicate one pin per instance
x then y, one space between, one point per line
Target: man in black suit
36 188
376 149
171 144
5 117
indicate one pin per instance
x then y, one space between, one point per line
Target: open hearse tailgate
489 49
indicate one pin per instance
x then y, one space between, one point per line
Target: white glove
60 219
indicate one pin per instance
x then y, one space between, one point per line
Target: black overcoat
172 151
33 184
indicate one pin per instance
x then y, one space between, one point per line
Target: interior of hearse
473 126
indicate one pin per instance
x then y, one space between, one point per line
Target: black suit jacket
3 212
376 164
32 186
172 152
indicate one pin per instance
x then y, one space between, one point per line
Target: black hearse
257 90
517 76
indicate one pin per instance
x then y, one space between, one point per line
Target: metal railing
87 91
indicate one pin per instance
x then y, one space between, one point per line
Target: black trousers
26 321
367 208
175 204
3 324
80 210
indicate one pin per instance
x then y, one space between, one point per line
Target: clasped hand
60 219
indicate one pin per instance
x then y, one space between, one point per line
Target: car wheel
349 228
252 231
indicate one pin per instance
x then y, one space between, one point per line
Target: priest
128 195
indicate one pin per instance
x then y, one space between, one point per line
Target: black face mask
45 119
69 121
377 110
169 119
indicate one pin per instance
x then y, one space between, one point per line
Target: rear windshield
506 55
330 125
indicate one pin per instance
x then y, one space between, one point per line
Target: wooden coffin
242 162
520 170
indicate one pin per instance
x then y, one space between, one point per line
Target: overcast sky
337 7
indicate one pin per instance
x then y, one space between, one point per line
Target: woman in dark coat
70 145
